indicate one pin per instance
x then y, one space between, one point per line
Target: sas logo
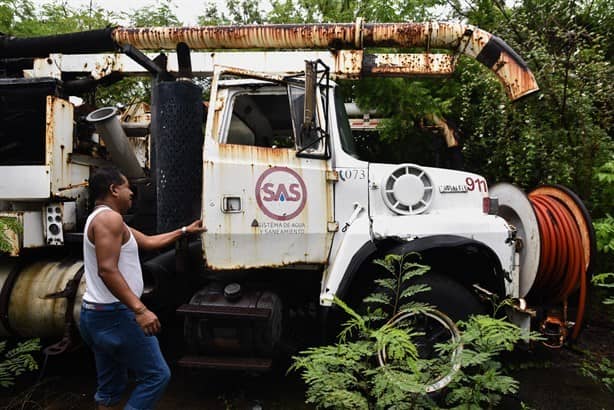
281 193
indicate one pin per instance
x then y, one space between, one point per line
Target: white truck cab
265 204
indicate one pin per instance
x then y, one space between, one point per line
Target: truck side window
261 120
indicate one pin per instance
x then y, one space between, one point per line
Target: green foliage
555 138
347 375
17 360
16 17
600 370
482 382
8 223
391 296
160 15
604 231
57 17
605 280
604 226
596 366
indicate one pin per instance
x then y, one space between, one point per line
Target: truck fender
494 279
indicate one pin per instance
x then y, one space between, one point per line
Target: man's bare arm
153 242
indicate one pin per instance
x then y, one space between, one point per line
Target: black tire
449 296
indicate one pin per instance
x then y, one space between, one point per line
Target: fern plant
481 383
347 375
352 374
17 360
597 366
393 295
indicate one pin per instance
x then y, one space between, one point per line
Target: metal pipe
460 38
136 129
94 41
488 49
110 128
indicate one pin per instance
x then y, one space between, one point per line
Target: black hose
93 41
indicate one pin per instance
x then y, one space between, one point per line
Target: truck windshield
345 132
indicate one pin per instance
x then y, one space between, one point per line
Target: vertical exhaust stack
110 129
177 139
176 131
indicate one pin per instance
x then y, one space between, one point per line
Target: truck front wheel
449 296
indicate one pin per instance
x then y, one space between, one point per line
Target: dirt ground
548 379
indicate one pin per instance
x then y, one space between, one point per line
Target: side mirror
311 82
310 111
308 134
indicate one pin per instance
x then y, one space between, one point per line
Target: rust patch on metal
425 64
256 155
460 38
49 135
290 36
518 81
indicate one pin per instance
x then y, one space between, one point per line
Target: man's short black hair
101 179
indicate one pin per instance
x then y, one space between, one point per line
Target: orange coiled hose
564 261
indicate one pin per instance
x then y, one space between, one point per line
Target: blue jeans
119 344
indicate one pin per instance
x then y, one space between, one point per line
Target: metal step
226 363
225 312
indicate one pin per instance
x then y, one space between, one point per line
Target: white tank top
129 267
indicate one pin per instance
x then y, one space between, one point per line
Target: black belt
103 307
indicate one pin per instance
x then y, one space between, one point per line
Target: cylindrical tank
30 312
176 129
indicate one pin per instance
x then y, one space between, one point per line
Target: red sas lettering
281 193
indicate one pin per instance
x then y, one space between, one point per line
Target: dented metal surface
30 313
59 147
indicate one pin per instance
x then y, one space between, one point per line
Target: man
114 322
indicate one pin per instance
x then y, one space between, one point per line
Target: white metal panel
100 65
79 174
59 134
25 182
491 230
33 229
453 190
350 242
270 231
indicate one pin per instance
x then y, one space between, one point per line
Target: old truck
295 217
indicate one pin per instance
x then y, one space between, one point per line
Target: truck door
263 205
